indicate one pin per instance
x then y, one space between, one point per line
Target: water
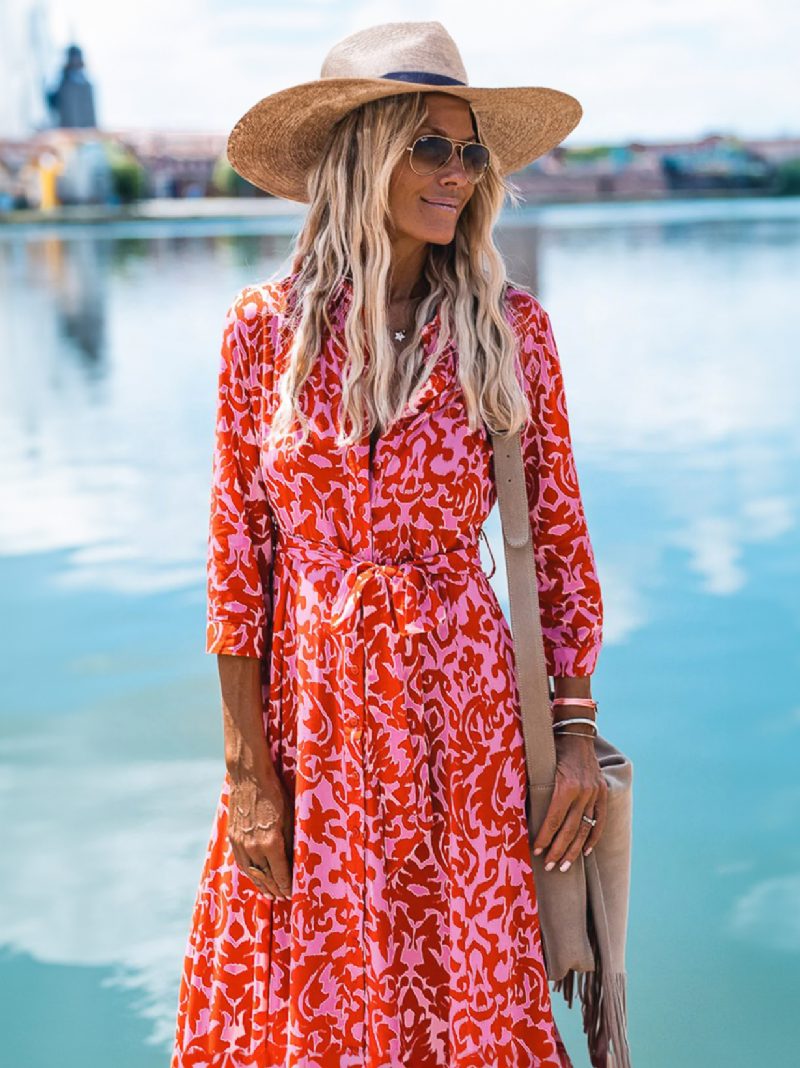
677 326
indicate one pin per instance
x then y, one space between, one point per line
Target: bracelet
587 702
576 734
574 719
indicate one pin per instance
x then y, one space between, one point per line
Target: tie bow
413 600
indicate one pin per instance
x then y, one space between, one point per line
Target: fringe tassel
603 1005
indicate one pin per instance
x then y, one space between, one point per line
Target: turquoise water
677 326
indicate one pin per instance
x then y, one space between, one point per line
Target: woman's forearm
572 685
246 751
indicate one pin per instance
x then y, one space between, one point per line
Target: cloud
641 70
769 914
123 848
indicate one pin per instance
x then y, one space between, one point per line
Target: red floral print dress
390 707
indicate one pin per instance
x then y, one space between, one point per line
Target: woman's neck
407 281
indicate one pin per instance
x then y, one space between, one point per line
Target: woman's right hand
261 833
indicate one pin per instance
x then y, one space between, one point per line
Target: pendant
399 335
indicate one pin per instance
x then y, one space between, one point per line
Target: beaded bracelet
573 719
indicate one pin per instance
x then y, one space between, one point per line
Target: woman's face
413 197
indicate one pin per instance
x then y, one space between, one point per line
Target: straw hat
277 141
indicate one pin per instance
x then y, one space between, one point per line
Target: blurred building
71 102
637 169
716 162
777 150
178 163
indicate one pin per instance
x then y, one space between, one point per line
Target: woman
367 896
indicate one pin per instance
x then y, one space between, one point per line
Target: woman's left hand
580 788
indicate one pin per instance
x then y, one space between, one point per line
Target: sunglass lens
476 160
429 154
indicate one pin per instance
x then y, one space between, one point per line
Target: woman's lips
442 205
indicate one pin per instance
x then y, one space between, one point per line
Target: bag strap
523 595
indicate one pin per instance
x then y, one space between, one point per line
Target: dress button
356 733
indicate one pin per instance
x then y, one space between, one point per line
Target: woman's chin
441 235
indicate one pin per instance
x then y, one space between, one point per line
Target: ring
588 819
255 867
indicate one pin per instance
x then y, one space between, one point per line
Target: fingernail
565 865
587 851
550 864
536 852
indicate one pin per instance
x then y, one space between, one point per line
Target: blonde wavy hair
345 237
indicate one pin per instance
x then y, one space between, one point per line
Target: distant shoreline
205 208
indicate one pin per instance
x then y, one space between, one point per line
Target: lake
677 325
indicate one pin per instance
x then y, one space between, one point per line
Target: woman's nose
453 171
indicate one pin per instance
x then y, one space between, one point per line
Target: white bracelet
575 719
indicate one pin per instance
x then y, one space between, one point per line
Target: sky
642 69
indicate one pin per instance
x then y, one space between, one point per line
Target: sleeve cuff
234 638
567 660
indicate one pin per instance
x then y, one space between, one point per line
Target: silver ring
588 819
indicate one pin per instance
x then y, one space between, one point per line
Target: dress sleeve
570 598
239 557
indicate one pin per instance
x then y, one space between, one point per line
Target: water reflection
676 327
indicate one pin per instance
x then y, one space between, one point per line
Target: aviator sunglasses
431 152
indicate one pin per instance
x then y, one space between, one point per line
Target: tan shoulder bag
583 911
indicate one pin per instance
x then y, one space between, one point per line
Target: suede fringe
603 999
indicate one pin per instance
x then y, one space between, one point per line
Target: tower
72 101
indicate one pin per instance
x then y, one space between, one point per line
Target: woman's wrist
245 769
573 686
575 717
574 712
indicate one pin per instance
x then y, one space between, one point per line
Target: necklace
400 335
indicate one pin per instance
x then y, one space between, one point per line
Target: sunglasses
430 153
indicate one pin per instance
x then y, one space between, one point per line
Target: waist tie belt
409 600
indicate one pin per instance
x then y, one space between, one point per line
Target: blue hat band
423 76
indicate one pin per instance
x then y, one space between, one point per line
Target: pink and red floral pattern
411 939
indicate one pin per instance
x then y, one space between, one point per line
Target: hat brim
277 141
